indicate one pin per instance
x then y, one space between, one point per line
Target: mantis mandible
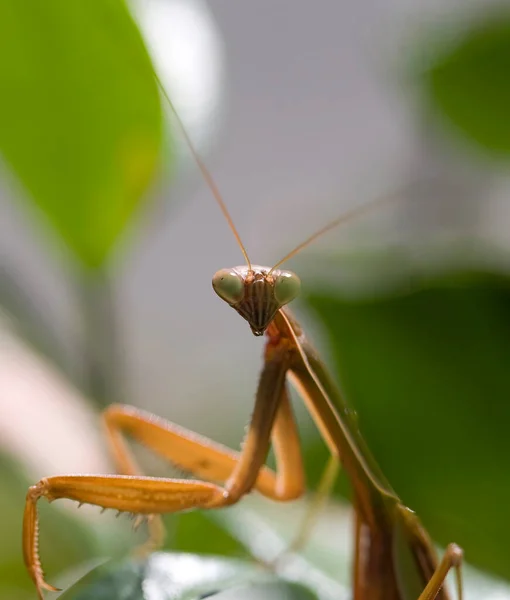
394 558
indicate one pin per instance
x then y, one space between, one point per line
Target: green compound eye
286 287
228 285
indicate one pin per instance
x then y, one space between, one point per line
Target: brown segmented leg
203 457
452 559
151 495
144 495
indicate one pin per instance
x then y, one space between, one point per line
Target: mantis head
257 293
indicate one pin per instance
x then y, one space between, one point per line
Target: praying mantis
394 558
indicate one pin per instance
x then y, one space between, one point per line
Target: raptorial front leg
204 458
150 495
142 495
211 461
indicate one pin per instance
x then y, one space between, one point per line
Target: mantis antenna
205 173
344 218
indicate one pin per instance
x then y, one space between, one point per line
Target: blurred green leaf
197 532
267 529
427 372
183 577
468 81
80 117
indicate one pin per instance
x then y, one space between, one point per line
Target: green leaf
197 532
80 116
427 371
468 81
183 577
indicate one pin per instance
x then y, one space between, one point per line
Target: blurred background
109 239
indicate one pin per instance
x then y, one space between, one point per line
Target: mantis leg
202 457
151 495
452 559
313 511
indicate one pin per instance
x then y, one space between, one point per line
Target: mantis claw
41 585
49 587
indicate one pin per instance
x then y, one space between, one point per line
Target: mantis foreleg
134 493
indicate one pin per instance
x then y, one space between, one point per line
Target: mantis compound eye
228 285
286 287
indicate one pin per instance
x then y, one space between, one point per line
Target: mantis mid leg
313 510
452 559
150 495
